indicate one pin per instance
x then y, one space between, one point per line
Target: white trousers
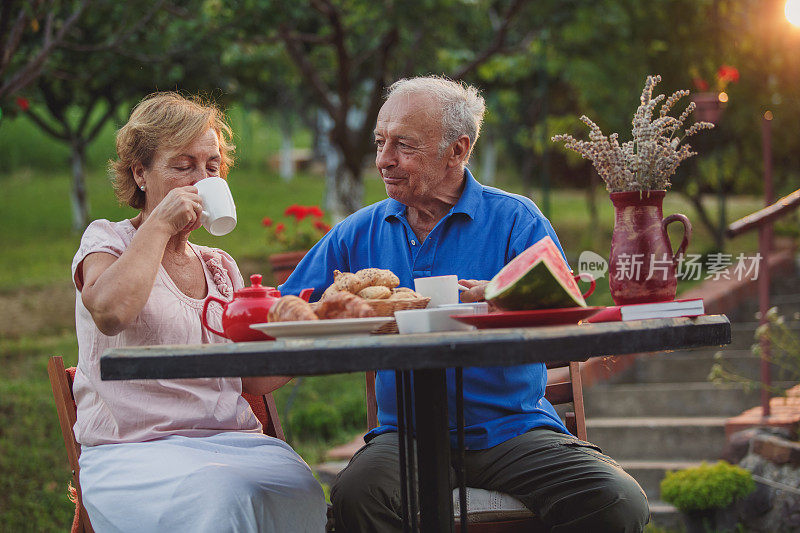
229 482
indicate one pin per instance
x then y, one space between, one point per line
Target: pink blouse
141 410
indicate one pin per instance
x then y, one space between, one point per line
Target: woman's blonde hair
164 120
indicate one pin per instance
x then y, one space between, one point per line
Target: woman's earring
141 187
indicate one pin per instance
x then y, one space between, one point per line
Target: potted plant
303 227
710 103
706 495
636 174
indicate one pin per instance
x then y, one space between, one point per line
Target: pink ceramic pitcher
642 265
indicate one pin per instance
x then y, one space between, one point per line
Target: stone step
665 516
787 304
788 299
742 333
686 366
669 400
650 473
654 438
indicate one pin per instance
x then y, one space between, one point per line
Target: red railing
762 220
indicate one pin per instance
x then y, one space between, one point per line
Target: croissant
344 305
289 309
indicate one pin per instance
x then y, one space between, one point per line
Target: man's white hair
461 104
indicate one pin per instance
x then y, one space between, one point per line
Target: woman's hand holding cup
180 210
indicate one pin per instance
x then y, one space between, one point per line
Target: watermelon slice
538 278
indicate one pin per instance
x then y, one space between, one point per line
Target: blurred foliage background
302 82
73 69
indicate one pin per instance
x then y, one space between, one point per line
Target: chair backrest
61 382
267 413
569 390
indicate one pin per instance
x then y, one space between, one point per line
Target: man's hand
476 292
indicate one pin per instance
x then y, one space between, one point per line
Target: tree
101 70
602 55
30 31
346 51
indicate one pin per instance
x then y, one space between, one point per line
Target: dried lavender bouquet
647 161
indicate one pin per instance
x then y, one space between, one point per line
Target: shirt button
413 243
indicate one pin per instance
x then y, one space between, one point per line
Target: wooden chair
61 382
508 514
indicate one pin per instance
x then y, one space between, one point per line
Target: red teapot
250 305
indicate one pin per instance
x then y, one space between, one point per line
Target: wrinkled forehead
204 145
419 112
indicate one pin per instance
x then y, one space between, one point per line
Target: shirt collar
468 202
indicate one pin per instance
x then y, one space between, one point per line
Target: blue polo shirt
485 230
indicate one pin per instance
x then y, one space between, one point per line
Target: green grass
33 487
24 145
37 248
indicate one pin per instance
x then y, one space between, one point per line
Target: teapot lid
256 290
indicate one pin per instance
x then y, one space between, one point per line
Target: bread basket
388 307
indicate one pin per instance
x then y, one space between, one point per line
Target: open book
675 308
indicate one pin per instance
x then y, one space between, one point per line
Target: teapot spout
305 294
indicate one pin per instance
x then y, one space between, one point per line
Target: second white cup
219 211
441 290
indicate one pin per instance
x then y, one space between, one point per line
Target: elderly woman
177 455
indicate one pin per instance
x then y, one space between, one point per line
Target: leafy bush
706 486
316 420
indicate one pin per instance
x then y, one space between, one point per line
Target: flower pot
642 265
284 263
708 106
715 519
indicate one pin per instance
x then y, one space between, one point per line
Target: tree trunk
287 147
526 171
705 218
488 159
346 194
591 203
79 197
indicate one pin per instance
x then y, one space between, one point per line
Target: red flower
299 212
320 225
293 233
728 74
23 103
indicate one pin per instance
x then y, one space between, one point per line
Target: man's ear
460 150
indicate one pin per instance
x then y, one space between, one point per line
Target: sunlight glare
793 11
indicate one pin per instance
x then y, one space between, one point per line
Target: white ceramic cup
219 211
441 290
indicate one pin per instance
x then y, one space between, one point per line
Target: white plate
322 328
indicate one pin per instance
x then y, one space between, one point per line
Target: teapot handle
592 283
210 299
687 234
305 294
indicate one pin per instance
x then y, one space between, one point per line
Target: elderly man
439 220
